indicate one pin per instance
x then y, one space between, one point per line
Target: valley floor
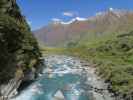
67 78
113 69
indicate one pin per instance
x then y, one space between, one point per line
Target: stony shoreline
93 83
98 85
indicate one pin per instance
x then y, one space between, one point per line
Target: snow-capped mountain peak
111 9
81 19
73 20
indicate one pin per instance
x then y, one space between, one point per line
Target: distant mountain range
108 22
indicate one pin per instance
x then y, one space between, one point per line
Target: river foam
64 78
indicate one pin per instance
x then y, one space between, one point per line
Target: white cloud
69 14
56 19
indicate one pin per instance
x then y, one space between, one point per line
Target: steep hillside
104 23
19 52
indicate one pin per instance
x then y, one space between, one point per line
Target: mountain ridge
110 21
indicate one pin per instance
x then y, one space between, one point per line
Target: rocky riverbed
66 78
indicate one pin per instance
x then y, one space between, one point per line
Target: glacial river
62 79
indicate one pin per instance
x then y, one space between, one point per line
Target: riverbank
114 69
96 84
93 84
113 58
111 68
62 74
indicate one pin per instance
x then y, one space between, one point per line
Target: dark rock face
19 52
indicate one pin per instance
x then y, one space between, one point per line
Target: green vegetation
111 53
18 48
113 58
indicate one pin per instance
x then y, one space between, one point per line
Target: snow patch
59 21
74 19
111 9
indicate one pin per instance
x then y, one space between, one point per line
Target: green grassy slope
18 47
114 59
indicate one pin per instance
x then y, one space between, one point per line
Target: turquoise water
59 77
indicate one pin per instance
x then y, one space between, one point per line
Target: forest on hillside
19 50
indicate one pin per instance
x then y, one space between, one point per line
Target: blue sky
41 12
